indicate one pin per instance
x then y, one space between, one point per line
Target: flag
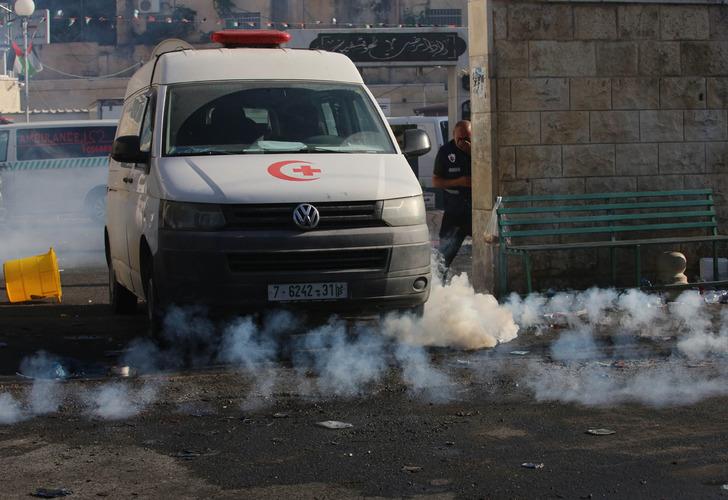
32 62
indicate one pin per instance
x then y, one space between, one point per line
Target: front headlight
192 216
404 211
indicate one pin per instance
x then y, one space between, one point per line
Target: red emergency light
250 38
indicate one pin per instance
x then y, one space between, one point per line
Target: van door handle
128 180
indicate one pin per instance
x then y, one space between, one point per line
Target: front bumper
205 268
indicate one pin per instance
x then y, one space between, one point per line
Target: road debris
120 371
724 487
411 468
519 353
51 492
280 415
531 465
334 424
439 482
601 432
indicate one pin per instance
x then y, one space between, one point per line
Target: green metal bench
612 218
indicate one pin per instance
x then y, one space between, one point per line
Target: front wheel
154 310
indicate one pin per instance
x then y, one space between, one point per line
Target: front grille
372 259
338 215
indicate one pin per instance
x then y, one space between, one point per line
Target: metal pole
25 50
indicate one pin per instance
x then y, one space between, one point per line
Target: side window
4 145
131 119
145 137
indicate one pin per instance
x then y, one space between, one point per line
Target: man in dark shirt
452 175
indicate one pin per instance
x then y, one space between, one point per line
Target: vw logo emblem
306 216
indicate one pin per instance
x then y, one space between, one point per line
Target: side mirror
416 142
126 150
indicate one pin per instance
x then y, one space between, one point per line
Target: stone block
617 58
635 93
661 126
610 184
717 92
539 94
639 22
704 58
557 186
539 21
500 22
591 93
682 93
684 22
535 162
561 59
564 127
718 18
717 154
503 94
595 22
660 182
507 163
515 188
589 161
519 128
659 58
615 126
636 159
511 59
682 158
705 125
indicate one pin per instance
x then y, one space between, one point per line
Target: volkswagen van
253 176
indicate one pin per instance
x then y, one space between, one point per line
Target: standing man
452 174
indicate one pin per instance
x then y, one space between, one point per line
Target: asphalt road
207 428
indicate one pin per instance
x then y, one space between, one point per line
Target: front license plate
306 291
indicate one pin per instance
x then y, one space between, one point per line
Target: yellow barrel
31 278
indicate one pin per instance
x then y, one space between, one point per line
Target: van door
5 171
119 193
135 220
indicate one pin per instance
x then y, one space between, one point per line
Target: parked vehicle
250 178
436 128
55 167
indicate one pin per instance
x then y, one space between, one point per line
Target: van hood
288 178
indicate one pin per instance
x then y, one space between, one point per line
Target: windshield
272 117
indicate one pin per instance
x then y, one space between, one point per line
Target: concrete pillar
483 117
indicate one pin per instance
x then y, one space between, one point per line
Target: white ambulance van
55 168
252 176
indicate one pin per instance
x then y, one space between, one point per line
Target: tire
122 300
155 315
96 205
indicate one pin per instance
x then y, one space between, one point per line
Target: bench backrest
615 215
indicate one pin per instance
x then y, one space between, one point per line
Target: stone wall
594 97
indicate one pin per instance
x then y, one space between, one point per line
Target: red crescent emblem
302 173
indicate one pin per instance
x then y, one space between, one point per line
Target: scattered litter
619 364
439 482
411 468
449 443
724 487
280 415
601 432
51 492
519 353
334 424
90 301
716 296
187 455
120 371
462 361
468 413
531 465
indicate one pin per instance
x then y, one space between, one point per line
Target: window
131 118
4 145
444 17
145 138
257 117
64 142
244 21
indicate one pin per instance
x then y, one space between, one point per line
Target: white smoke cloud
116 401
10 410
45 397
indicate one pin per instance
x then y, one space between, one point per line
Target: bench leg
613 262
527 262
637 265
715 261
502 274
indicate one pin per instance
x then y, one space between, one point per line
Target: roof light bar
251 38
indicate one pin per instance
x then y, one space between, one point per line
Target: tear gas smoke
10 411
116 401
45 397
